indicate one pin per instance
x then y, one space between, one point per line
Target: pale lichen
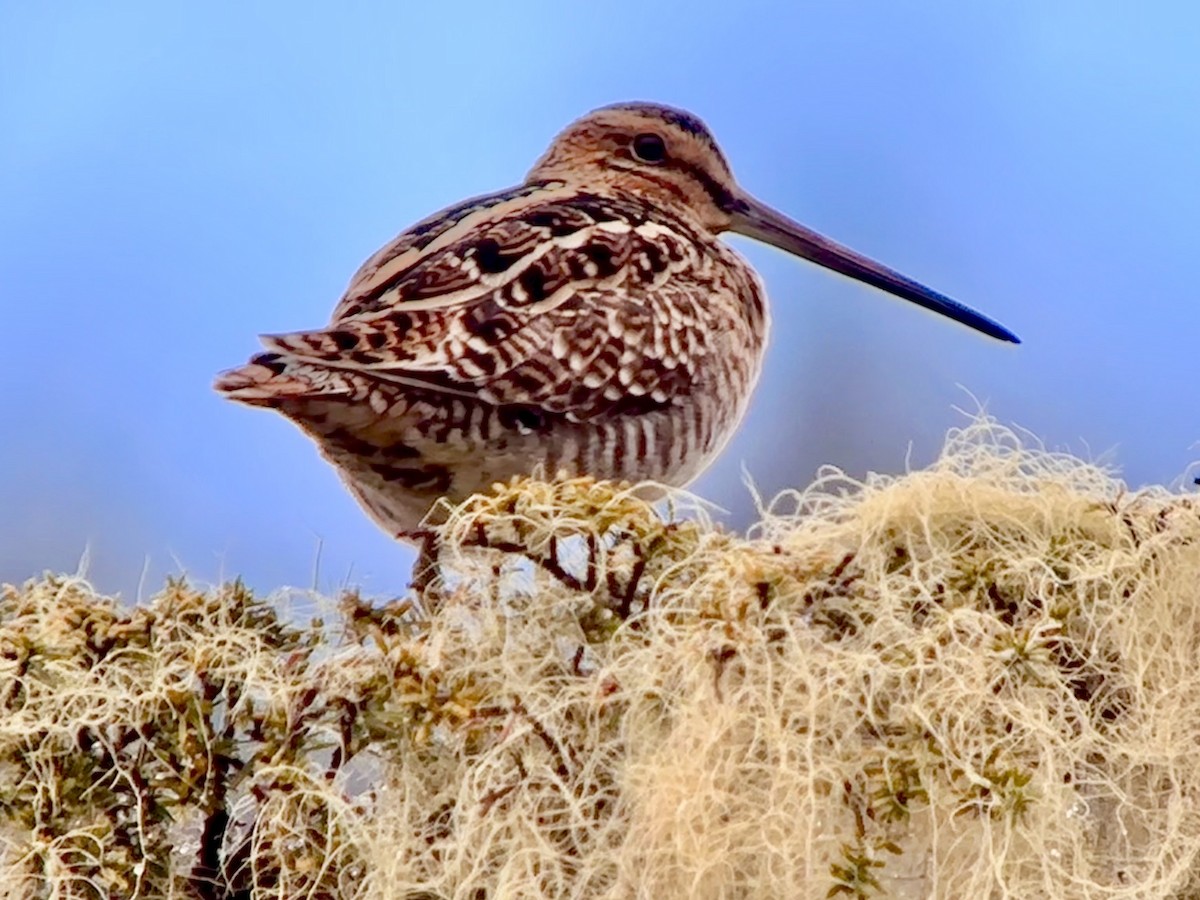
974 680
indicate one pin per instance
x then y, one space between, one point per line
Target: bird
588 321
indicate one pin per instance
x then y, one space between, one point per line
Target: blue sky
177 178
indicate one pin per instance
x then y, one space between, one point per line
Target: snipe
589 320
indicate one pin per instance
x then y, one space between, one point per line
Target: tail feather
272 378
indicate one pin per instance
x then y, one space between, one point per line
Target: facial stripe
719 195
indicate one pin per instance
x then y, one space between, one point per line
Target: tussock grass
977 680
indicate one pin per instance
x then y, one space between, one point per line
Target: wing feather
574 303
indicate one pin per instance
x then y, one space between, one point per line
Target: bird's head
664 154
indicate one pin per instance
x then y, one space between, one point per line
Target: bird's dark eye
649 148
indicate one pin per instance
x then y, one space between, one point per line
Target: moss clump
975 680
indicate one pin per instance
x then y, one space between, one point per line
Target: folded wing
575 304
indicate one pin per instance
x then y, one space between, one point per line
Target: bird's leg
425 569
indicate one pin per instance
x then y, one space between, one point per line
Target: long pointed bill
759 221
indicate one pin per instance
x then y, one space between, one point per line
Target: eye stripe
720 196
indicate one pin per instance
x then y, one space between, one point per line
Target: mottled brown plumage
587 321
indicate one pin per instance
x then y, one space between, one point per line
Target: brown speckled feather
575 304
